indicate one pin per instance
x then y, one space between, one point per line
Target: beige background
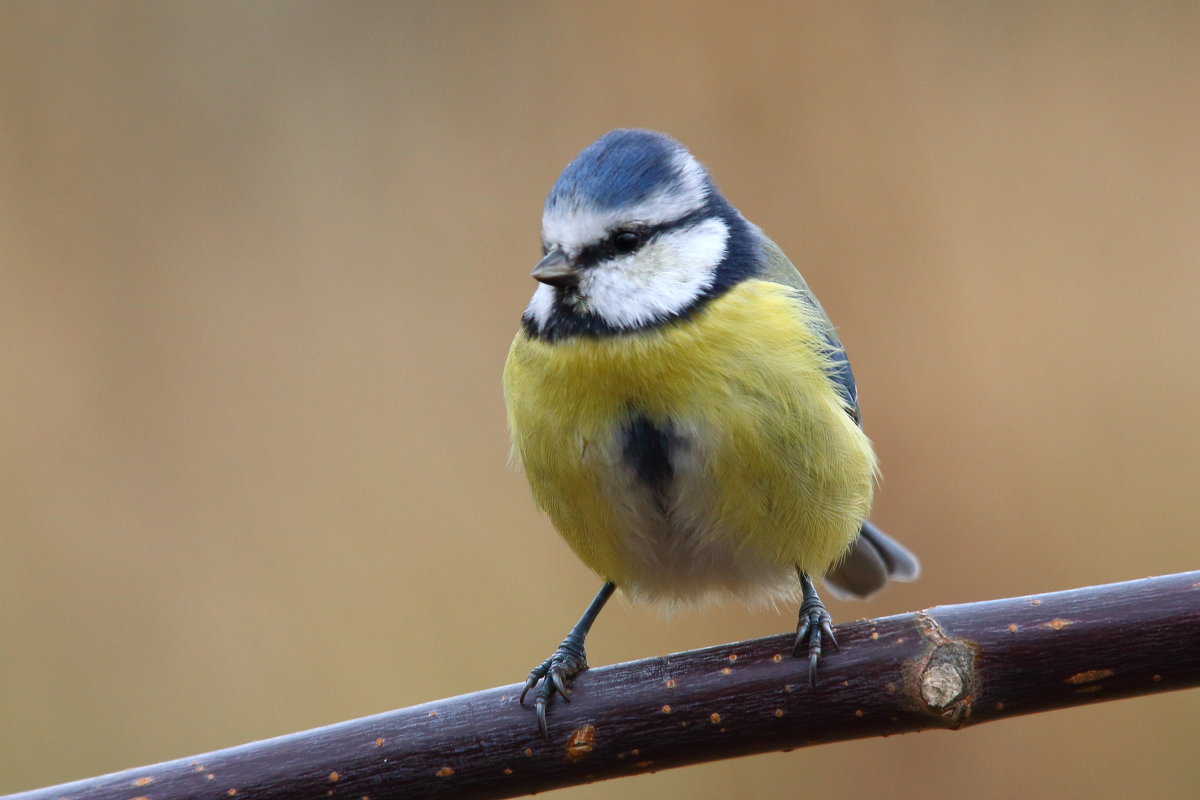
260 264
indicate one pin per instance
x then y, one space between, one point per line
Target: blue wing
841 374
776 267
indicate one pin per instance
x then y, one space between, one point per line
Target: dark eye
626 241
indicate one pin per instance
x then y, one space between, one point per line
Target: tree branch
945 667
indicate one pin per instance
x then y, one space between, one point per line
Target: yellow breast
769 472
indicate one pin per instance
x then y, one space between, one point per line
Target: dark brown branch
945 667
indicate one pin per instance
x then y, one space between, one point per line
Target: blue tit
682 406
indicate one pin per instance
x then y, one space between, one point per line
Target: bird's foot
555 673
813 629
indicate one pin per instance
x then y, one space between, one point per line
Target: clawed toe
813 629
554 675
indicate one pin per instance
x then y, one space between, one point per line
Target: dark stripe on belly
647 451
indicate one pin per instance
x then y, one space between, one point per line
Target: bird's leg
813 627
568 660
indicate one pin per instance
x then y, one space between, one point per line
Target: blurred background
260 264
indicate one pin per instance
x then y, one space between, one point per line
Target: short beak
555 270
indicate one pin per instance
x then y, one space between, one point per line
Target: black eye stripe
607 248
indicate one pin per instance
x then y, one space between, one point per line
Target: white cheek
660 280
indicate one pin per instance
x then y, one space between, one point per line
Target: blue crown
619 169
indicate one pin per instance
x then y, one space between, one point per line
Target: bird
683 408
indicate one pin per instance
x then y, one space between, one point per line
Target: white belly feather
677 552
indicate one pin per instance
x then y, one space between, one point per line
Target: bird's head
634 233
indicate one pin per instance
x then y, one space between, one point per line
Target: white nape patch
574 228
661 279
692 175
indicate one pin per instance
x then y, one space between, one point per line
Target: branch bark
945 667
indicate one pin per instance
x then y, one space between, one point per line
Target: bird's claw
554 674
560 685
814 628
